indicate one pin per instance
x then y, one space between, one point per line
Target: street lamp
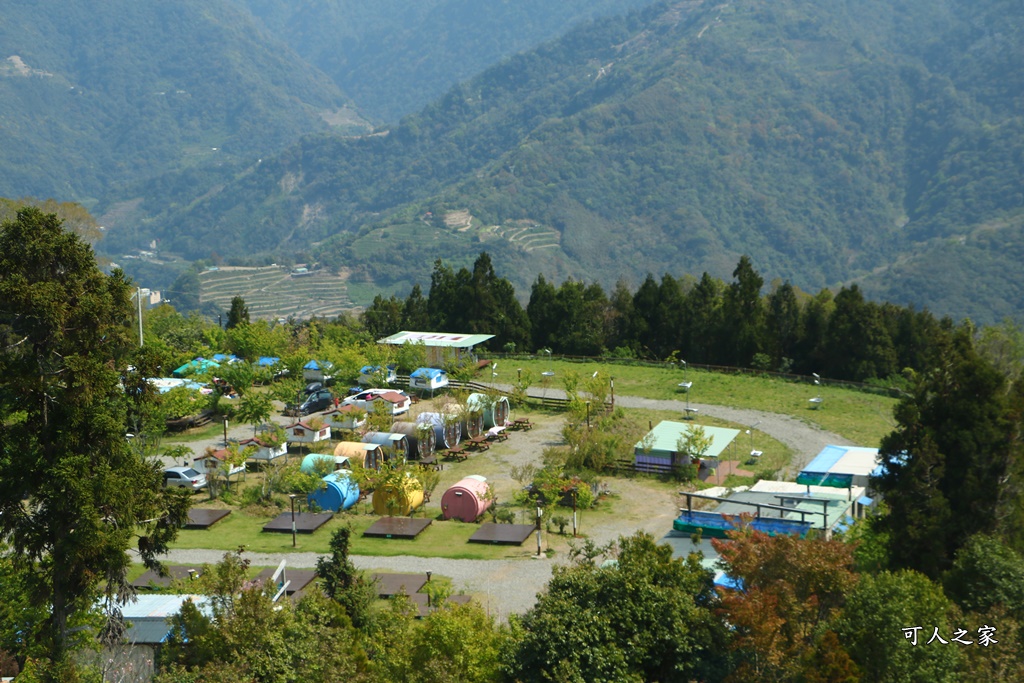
539 513
225 431
588 414
575 490
816 401
292 496
753 452
428 588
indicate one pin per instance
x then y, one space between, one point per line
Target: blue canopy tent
267 361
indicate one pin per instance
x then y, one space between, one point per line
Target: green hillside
394 56
829 141
100 93
273 292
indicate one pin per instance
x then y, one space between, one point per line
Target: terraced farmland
272 292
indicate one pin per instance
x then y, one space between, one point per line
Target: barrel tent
311 461
447 431
395 499
495 413
471 421
396 442
368 455
466 499
420 439
340 492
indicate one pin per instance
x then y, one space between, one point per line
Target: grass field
859 416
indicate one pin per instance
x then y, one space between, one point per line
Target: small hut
420 438
303 432
495 412
392 499
466 499
428 379
265 452
374 374
340 492
447 431
345 417
368 455
397 443
216 461
317 370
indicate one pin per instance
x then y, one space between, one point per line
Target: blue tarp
226 358
268 361
318 365
196 367
427 373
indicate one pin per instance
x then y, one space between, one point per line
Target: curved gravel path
507 587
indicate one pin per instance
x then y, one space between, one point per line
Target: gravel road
507 587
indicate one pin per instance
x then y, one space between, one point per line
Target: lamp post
539 513
428 588
225 431
588 414
292 496
575 490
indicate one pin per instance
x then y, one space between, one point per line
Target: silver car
184 477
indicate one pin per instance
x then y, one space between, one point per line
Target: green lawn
861 417
440 539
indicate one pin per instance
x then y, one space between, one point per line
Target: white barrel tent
447 428
471 419
397 443
495 411
420 438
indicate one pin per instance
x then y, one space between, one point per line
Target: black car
312 388
314 403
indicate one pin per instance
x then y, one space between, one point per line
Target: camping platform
397 527
502 534
305 522
388 585
204 518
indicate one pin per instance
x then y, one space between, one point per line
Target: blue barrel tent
340 492
495 412
396 442
446 433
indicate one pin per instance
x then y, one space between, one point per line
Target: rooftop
666 434
449 339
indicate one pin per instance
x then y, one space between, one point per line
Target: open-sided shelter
659 450
466 499
440 344
840 467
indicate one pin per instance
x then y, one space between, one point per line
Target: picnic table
479 442
431 461
522 423
497 434
457 452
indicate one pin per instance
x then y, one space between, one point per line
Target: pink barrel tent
466 499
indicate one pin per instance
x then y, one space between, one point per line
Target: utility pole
138 297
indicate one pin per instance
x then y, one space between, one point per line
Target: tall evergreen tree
74 495
782 323
743 315
948 462
543 313
238 314
702 321
416 311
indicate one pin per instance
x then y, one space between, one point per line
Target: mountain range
872 142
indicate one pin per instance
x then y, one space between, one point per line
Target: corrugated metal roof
665 437
448 339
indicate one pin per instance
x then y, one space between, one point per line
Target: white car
366 400
184 477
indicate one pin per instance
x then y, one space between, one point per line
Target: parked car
398 400
184 477
312 387
313 403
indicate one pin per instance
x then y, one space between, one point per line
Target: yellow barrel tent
393 499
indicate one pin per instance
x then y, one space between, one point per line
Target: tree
649 618
542 312
64 332
457 643
415 311
254 408
792 588
743 315
948 465
239 313
342 582
871 629
383 317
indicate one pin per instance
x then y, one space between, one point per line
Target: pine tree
238 314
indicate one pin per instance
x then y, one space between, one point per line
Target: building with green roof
659 451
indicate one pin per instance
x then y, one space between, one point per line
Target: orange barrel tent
368 455
466 499
420 438
394 499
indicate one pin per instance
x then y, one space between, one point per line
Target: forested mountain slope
829 141
96 93
395 56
